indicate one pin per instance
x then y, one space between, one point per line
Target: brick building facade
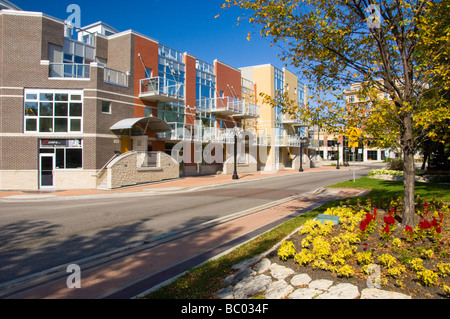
73 99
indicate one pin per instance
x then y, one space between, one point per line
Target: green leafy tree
396 47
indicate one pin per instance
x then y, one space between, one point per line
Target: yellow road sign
354 132
353 144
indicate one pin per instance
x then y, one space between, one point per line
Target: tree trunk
424 163
408 174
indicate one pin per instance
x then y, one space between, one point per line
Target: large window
68 153
171 112
279 86
205 86
53 111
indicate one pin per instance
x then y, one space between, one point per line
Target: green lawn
385 189
203 282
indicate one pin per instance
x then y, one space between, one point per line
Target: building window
205 86
53 111
106 107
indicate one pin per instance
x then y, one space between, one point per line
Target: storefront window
68 153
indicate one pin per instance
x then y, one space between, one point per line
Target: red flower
386 229
409 229
438 230
434 223
392 210
375 209
363 225
425 205
424 224
389 219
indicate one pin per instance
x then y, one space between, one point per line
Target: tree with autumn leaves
398 48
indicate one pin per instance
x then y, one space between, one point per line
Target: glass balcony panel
161 90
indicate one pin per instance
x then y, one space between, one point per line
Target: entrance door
46 167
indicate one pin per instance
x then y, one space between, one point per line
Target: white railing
291 119
115 77
228 104
69 70
159 86
252 109
180 132
288 140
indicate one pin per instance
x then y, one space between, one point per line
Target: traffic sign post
353 149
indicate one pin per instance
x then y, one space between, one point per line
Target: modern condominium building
285 131
95 107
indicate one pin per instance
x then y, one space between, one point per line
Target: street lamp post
337 166
235 175
301 156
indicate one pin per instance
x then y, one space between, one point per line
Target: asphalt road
38 235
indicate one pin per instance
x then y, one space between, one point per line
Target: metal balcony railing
288 140
115 77
180 132
249 110
228 106
292 120
160 89
69 70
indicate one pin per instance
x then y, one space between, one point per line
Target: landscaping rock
341 291
305 293
262 266
251 286
320 284
374 293
280 272
240 275
225 293
278 290
300 280
246 263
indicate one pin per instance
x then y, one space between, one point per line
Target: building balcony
288 141
158 89
115 77
69 70
250 110
228 106
292 120
180 132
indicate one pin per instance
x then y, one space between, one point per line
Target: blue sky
185 25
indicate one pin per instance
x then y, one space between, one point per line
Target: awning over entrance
155 124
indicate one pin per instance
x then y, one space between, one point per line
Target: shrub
396 164
427 277
416 264
286 250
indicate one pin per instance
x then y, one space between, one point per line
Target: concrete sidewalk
181 184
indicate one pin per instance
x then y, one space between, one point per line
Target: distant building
330 145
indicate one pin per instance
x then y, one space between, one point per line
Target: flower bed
369 247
